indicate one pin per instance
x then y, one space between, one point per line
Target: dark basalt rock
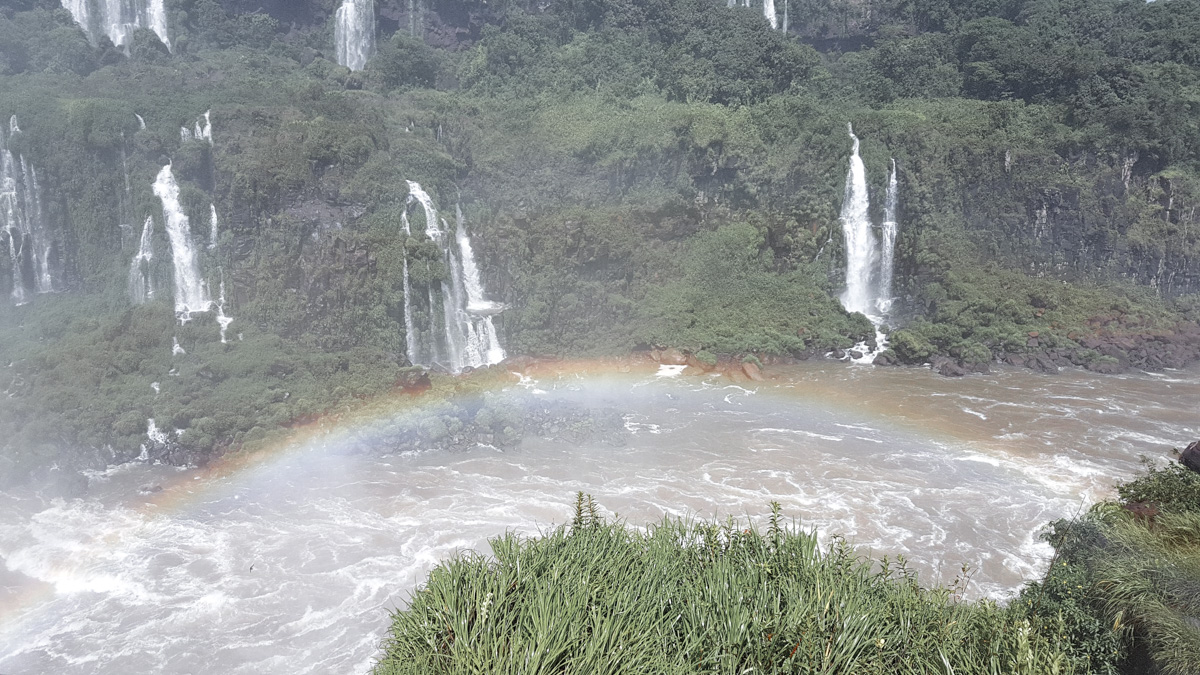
948 367
1190 457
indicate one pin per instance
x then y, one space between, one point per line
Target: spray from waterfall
141 283
354 33
23 221
466 334
119 19
889 230
191 293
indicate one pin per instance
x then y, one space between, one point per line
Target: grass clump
1128 578
684 596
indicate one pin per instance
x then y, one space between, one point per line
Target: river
290 564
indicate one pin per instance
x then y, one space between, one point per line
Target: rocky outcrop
1190 457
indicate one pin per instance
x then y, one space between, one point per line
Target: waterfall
21 217
141 284
431 215
191 295
476 303
467 331
861 255
222 320
156 17
354 33
198 132
886 260
141 122
212 220
118 19
769 12
410 332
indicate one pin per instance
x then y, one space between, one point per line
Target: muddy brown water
291 564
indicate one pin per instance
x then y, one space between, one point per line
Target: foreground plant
684 596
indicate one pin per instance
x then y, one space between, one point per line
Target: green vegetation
1120 596
685 596
634 174
1125 579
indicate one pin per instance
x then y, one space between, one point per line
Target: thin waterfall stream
467 333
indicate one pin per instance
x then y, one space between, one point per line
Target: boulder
1105 367
672 357
948 367
695 364
1042 363
414 380
886 358
752 371
1190 457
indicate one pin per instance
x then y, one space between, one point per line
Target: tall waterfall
141 283
769 12
410 331
118 19
22 219
886 260
191 293
354 33
466 336
861 254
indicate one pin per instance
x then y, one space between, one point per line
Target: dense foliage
1120 596
1124 580
699 597
634 173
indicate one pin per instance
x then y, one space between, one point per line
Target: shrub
695 597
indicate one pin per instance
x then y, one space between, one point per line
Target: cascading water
354 33
222 319
212 223
141 283
191 293
30 247
198 132
410 333
467 332
890 227
769 13
476 303
861 254
118 19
